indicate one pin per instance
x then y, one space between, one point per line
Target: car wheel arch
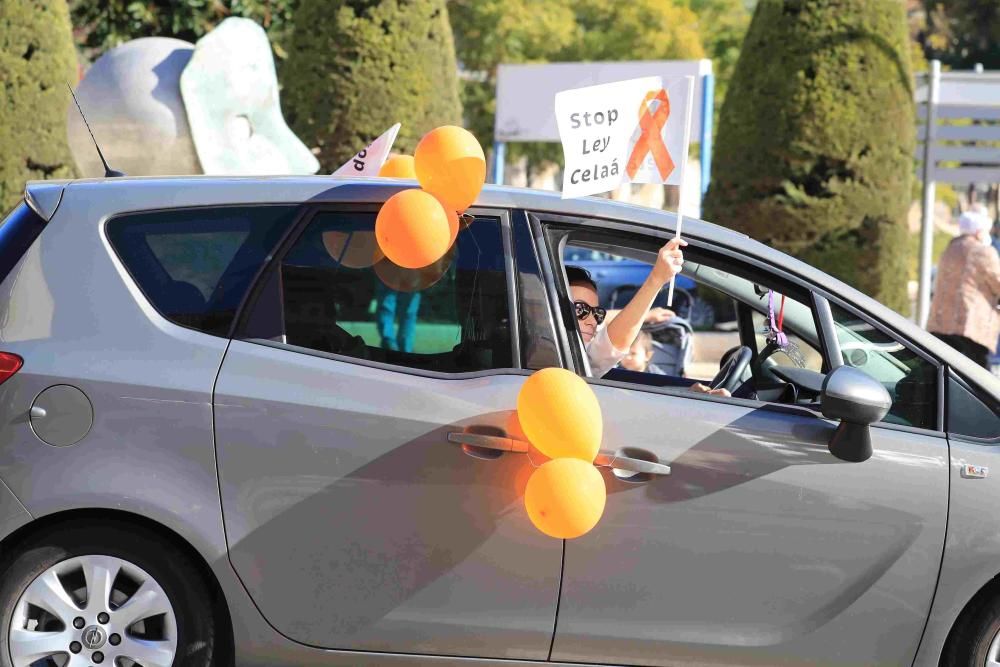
49 522
987 592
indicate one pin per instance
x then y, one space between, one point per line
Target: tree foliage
722 25
961 33
104 24
816 137
490 32
36 64
355 67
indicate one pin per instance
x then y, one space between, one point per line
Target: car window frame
106 238
874 322
523 231
821 299
273 263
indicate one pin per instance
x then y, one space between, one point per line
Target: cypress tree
37 60
356 67
816 139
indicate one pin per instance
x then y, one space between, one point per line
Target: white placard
369 160
625 131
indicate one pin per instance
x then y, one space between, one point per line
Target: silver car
233 433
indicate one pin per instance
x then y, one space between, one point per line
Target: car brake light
9 364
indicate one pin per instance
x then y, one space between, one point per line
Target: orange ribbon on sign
651 138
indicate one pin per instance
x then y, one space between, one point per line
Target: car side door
354 517
759 547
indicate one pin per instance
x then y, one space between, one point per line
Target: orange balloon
414 230
355 250
560 415
399 166
451 165
565 498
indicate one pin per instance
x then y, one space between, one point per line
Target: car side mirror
857 400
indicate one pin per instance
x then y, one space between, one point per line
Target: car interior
747 360
746 350
321 301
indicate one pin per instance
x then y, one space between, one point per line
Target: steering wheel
732 371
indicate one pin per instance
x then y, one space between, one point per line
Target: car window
334 292
972 415
195 265
910 379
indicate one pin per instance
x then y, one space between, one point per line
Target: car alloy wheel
993 654
93 610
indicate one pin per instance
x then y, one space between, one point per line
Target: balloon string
347 244
781 314
475 277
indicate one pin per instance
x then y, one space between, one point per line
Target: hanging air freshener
775 336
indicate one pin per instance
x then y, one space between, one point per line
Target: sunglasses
583 309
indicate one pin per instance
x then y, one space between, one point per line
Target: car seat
672 350
672 340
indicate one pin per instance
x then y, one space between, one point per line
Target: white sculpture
133 103
161 106
230 90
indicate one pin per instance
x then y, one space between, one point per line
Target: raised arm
623 329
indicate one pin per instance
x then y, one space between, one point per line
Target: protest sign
628 131
595 125
633 131
369 160
657 147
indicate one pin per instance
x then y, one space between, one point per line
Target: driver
608 342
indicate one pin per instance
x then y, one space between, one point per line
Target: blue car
619 277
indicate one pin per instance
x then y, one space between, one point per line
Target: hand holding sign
669 261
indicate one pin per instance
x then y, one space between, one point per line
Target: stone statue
161 106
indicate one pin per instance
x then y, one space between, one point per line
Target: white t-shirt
602 353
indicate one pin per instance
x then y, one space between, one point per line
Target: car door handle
494 442
627 463
604 459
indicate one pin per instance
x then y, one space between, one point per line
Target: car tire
137 555
975 642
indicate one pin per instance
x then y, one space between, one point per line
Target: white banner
368 161
525 92
627 131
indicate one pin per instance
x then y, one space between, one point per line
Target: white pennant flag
369 160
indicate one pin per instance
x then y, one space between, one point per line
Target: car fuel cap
61 415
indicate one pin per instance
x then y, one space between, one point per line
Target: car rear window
195 265
17 232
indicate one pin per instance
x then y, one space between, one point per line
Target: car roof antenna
108 171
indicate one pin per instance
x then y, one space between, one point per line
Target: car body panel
972 550
758 544
150 448
355 523
13 514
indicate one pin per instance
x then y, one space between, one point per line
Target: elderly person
964 309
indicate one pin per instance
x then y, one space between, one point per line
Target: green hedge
816 138
37 60
355 68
